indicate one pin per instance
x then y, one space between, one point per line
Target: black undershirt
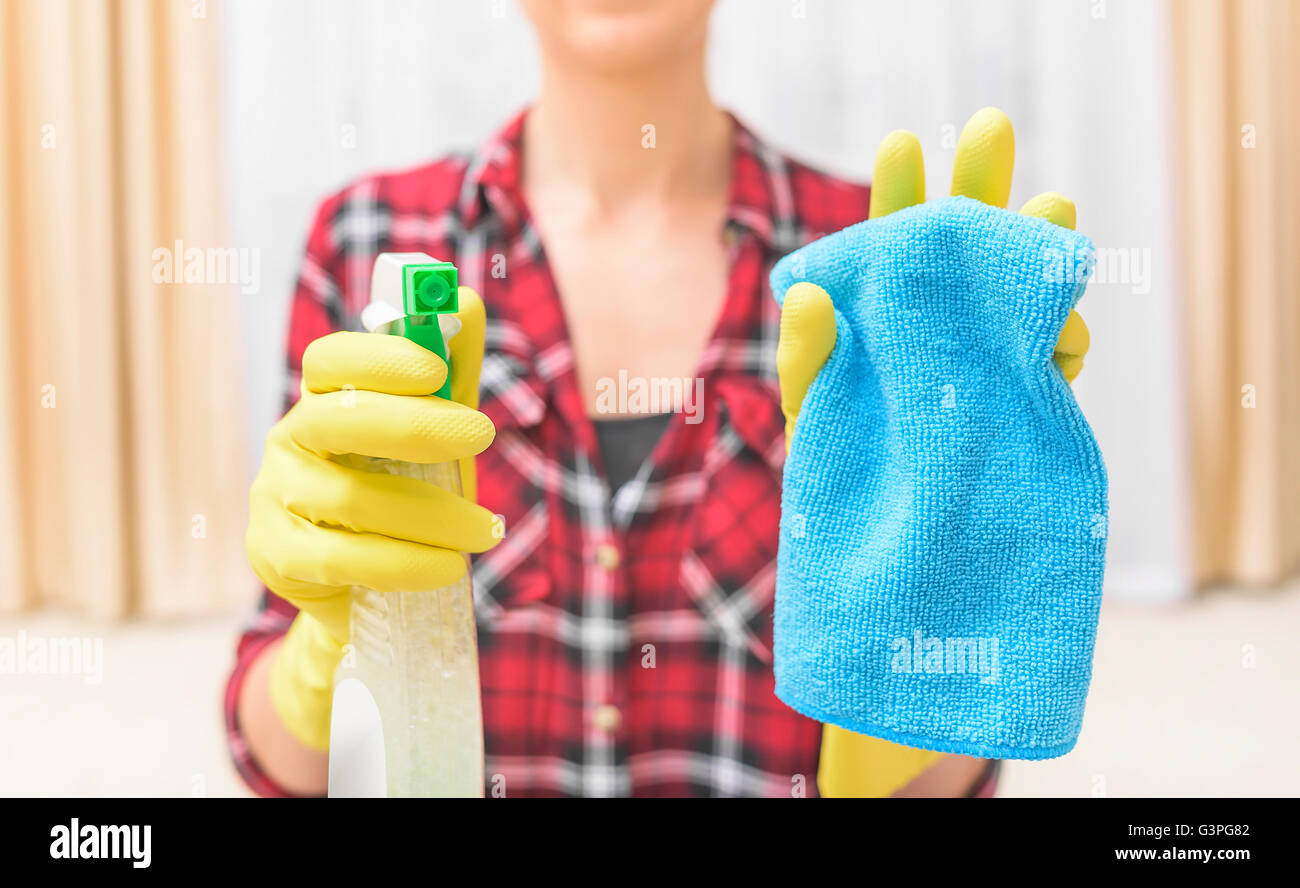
626 442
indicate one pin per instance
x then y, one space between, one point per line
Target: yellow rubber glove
317 528
853 764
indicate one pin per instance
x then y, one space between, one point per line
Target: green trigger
429 290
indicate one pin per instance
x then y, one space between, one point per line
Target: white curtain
318 92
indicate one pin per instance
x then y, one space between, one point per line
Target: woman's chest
639 305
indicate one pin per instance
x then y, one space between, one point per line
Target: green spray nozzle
430 288
416 288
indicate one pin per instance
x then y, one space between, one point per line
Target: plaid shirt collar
521 369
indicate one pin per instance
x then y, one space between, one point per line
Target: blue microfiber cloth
943 526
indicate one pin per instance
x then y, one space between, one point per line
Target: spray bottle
407 718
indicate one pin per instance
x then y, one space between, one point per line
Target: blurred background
139 385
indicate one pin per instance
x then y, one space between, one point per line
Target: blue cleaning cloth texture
944 509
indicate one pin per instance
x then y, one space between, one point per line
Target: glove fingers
322 561
466 354
418 430
1071 365
898 179
466 349
1072 346
807 338
986 157
332 495
1052 206
1074 340
371 362
1074 336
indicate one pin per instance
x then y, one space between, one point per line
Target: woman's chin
619 37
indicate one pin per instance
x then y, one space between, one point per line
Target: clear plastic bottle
407 711
417 655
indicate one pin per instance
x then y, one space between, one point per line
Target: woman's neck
622 138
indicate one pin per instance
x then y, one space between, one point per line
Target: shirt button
607 718
607 556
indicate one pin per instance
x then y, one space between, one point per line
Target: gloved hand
317 528
854 764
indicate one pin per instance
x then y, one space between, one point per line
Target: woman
622 229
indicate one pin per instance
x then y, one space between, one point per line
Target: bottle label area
357 769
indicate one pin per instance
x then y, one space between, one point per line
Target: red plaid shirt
625 644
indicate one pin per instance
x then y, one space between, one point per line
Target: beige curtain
122 482
1238 82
